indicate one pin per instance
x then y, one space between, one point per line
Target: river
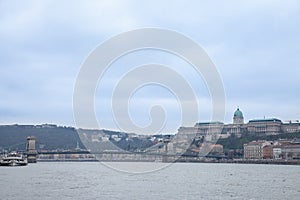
93 180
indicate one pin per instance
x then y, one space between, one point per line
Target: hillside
52 137
49 137
237 143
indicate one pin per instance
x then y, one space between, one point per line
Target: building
210 132
277 152
268 152
281 149
217 149
254 149
238 117
291 127
270 126
259 127
291 151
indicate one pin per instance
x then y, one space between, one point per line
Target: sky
255 46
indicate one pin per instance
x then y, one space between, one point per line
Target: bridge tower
166 141
31 150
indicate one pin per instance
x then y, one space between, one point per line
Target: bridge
85 155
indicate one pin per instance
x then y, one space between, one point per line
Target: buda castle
257 127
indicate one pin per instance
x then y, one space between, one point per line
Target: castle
258 127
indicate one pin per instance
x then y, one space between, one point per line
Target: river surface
93 180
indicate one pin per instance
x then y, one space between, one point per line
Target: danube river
93 180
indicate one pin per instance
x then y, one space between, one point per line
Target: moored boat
13 159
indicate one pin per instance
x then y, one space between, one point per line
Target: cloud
254 44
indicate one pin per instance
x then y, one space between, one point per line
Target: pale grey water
177 181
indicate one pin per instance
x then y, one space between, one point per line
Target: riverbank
243 161
187 160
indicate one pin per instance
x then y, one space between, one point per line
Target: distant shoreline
240 161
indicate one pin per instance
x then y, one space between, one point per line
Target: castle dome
238 113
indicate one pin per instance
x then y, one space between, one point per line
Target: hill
13 137
237 143
53 137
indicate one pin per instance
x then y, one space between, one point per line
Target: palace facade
259 127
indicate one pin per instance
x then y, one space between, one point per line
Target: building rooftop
265 120
256 142
208 123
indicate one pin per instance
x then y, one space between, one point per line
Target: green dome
238 113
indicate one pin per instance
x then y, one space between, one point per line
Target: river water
93 180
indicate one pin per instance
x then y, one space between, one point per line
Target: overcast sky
255 46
